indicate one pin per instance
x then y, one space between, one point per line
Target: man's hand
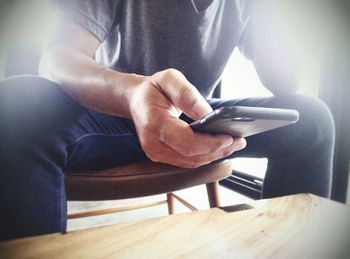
155 106
153 103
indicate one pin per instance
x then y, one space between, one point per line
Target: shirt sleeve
97 16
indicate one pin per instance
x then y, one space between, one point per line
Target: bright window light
240 79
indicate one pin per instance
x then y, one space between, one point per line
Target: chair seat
140 179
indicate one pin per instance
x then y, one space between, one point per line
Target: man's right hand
155 105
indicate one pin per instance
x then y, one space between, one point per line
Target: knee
316 116
30 107
21 102
315 121
28 91
25 91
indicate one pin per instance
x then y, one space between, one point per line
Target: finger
182 93
165 154
178 135
237 145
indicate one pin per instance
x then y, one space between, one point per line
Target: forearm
92 85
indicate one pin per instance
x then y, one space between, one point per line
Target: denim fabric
43 132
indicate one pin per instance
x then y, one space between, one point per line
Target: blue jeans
44 132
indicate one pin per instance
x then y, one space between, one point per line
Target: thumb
182 93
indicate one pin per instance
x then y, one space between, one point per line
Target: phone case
241 121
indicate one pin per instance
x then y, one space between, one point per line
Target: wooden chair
143 179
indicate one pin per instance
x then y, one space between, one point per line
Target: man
121 73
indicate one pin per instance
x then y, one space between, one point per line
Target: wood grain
299 226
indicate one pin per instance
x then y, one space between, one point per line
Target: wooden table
298 226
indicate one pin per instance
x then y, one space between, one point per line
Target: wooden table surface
297 226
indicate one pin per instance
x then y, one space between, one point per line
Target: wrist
122 87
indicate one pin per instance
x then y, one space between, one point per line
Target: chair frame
143 179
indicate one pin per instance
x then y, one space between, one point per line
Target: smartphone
242 121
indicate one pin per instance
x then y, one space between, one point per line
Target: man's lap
94 141
113 141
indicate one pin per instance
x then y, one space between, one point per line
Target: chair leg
171 203
213 194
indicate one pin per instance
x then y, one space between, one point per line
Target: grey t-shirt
146 36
